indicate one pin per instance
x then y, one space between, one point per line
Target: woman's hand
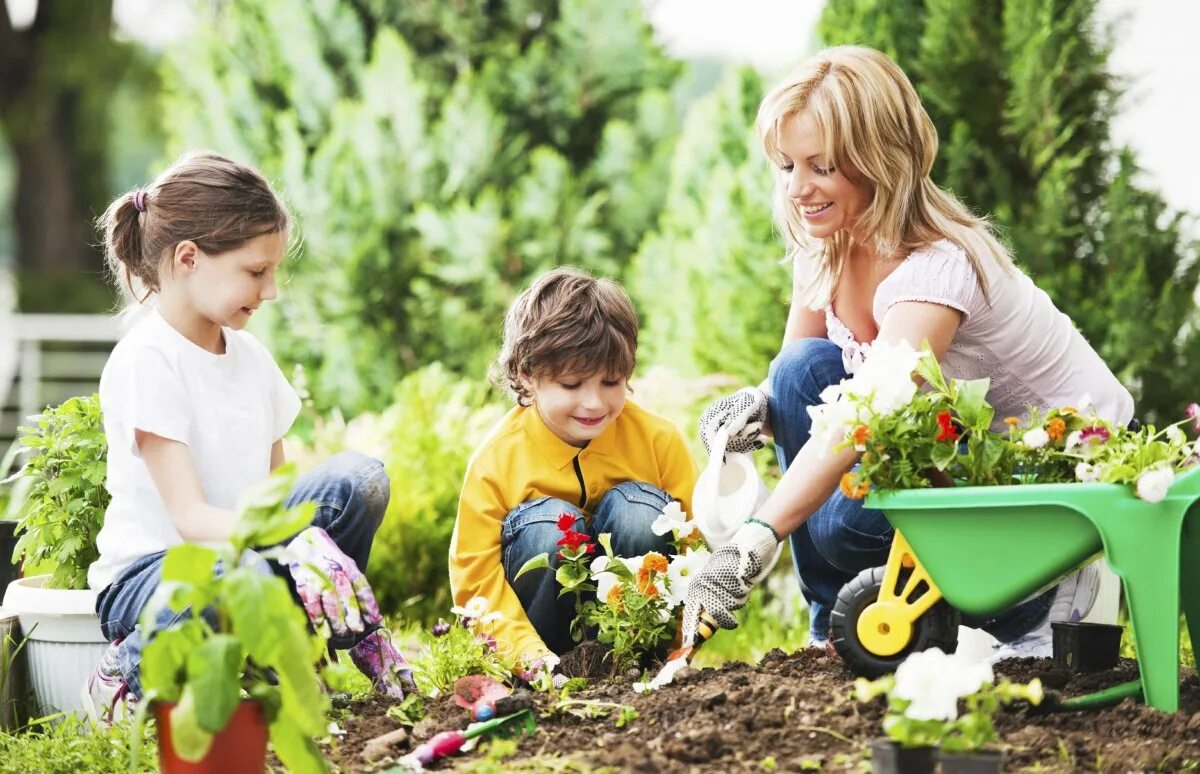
742 415
725 583
334 591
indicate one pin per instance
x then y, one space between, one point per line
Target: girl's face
577 408
828 200
226 289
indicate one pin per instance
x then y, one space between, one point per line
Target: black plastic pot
1086 647
8 543
978 762
888 757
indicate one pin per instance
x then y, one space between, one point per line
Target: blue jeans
351 492
843 538
625 512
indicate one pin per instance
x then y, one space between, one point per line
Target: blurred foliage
1023 101
437 155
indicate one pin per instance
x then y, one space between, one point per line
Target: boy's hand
377 658
724 585
742 415
334 592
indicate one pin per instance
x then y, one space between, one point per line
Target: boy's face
577 408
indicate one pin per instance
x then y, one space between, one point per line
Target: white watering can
727 494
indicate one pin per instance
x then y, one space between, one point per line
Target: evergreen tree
1023 100
437 156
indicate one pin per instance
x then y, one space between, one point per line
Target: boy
572 445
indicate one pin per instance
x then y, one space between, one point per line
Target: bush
424 438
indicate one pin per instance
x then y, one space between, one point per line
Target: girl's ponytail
123 246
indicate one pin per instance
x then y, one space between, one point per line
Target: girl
194 413
882 253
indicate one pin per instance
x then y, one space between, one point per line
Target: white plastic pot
64 640
727 494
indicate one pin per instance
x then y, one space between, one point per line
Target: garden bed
794 713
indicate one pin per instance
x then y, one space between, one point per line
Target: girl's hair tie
139 200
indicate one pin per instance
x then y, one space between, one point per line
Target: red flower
573 540
948 431
566 522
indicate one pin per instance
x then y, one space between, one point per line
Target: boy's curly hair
567 321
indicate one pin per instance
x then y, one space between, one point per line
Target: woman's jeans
351 492
843 538
625 512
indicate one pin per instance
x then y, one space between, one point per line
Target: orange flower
1056 429
1012 421
654 562
852 488
645 583
1067 411
860 435
616 599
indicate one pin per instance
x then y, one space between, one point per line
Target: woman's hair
566 322
873 127
203 197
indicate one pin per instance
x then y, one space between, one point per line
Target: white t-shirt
228 409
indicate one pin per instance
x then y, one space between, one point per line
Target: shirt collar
556 450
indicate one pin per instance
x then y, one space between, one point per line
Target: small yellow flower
616 599
1012 421
1056 429
1068 411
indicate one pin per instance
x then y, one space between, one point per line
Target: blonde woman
881 253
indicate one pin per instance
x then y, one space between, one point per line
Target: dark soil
798 711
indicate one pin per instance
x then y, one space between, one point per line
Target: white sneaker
106 696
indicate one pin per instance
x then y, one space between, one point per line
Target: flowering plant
943 435
466 647
572 572
923 700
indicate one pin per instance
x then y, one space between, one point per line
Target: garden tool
449 742
728 491
1108 697
680 657
479 694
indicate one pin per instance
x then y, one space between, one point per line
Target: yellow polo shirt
521 460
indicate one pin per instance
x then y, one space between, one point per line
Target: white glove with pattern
742 415
726 581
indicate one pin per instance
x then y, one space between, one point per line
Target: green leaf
971 405
943 454
165 657
539 562
189 563
190 740
295 749
214 670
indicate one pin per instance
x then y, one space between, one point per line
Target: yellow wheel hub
885 627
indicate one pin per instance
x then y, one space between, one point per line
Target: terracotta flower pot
241 748
888 757
978 762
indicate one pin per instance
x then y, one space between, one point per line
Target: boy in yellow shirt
573 445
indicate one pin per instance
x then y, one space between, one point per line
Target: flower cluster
924 694
943 436
466 647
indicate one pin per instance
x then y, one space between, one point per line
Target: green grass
73 745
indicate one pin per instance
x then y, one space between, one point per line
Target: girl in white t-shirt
195 410
881 253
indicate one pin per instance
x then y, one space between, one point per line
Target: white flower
1085 402
673 519
488 618
475 608
1087 473
1152 485
680 572
1035 438
1175 435
933 682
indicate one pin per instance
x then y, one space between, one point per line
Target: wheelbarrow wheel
936 628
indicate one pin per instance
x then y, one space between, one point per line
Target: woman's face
828 200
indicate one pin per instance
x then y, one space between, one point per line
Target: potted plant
58 519
220 682
923 714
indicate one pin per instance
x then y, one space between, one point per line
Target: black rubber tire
937 628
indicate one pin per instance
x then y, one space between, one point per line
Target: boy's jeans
351 492
626 512
843 538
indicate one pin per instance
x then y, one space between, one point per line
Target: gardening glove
377 658
334 592
742 415
537 666
733 570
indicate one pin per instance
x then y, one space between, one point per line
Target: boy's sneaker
106 696
1073 599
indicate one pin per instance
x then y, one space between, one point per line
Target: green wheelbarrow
981 550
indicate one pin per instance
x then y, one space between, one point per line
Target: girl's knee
807 365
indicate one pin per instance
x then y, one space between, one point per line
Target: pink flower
1193 413
1093 435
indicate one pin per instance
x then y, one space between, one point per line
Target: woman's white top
1016 337
228 409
